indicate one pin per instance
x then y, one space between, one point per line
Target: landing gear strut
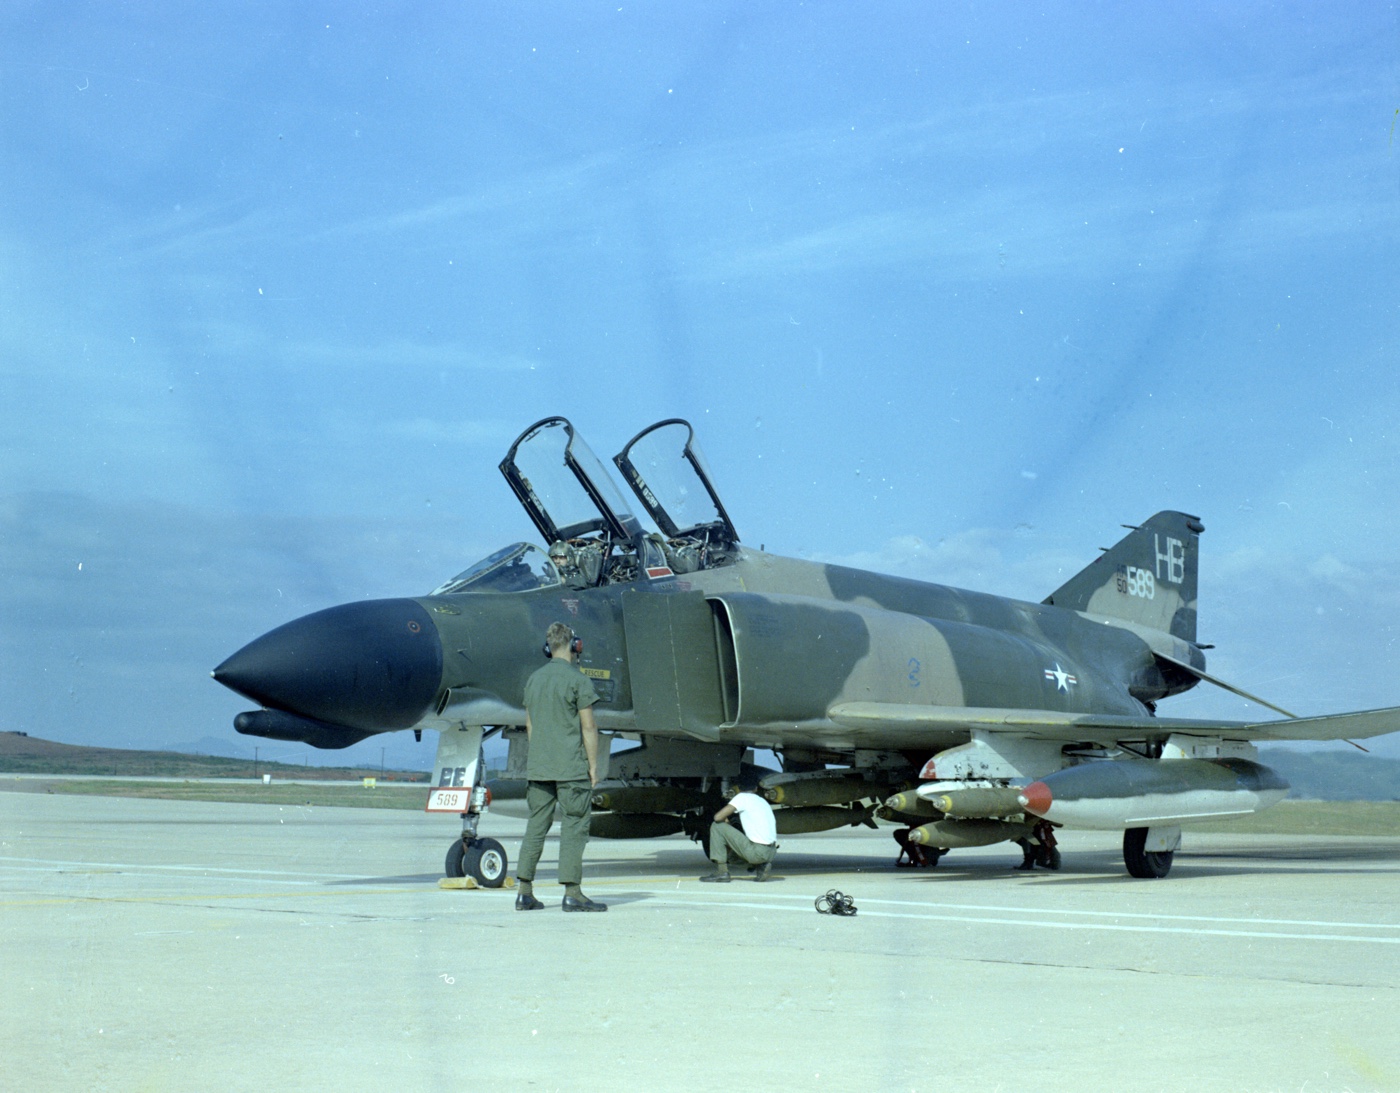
1040 849
912 856
459 788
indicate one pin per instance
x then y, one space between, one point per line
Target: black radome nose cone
372 665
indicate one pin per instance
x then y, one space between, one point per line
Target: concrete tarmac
174 945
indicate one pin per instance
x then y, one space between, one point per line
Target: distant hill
1336 775
1315 775
21 754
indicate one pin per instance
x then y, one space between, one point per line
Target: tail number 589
1133 581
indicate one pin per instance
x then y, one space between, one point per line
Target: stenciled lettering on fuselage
1170 569
603 683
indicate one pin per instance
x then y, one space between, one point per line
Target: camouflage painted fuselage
763 648
701 649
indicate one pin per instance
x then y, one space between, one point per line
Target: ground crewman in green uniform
562 768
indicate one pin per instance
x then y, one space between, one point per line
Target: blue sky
949 291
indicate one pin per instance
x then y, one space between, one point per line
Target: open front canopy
565 487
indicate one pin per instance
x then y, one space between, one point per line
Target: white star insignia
1063 680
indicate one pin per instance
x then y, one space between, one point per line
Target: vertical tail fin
1148 578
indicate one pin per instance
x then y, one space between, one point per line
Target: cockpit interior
594 538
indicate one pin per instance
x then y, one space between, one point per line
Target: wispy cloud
324 354
496 434
251 341
482 206
1012 562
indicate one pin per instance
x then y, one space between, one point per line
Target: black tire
1052 859
453 866
485 860
1142 863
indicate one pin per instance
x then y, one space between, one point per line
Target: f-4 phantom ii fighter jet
965 719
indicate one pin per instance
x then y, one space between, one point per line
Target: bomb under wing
957 834
977 802
1119 794
804 790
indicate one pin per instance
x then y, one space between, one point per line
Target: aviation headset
575 646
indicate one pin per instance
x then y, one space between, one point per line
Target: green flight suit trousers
728 843
575 801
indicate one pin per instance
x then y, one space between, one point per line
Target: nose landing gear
484 860
457 774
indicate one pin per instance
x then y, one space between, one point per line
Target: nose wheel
484 860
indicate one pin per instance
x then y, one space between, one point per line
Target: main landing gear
1144 863
1039 848
912 856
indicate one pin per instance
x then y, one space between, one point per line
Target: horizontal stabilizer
1204 675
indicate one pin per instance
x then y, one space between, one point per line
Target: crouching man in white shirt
756 844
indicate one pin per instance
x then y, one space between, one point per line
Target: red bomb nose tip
1036 798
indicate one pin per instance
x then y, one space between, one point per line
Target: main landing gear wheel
912 856
1141 862
1039 848
484 860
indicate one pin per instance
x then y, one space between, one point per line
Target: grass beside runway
1362 818
277 793
1314 818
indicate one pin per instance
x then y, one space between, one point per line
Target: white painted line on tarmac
114 867
929 916
1024 910
140 874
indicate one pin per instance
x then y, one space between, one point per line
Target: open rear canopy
666 471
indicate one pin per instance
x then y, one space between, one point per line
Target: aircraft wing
890 719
